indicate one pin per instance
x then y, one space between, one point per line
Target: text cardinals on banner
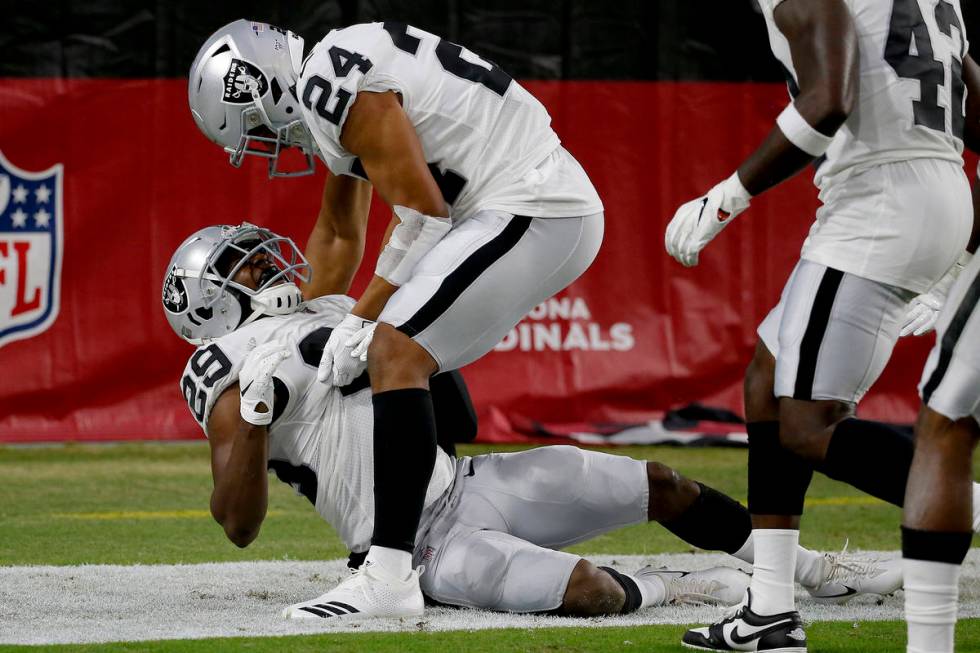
566 324
90 217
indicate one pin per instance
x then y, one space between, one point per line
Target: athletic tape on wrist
801 134
388 260
422 232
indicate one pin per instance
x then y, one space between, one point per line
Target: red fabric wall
636 335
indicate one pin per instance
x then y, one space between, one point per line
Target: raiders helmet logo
243 82
174 294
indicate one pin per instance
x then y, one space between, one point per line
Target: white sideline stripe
107 603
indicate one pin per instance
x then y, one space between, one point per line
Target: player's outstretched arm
824 46
336 244
381 135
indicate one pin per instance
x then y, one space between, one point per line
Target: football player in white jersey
492 524
938 522
879 106
491 215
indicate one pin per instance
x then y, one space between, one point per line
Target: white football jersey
911 103
321 437
488 142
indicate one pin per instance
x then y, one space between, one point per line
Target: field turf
147 504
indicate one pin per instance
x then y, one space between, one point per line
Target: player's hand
696 223
922 314
255 381
345 354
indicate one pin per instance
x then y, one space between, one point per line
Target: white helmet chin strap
281 299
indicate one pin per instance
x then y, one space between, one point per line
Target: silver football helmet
200 298
242 93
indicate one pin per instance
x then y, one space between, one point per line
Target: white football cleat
370 592
714 586
850 574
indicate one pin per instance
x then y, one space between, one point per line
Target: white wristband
799 132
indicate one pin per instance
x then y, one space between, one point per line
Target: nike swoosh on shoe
756 632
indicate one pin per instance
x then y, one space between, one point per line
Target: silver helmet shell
202 301
241 91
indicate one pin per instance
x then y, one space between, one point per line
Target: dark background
721 40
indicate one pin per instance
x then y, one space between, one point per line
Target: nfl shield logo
30 250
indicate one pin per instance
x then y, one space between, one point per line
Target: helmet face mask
201 298
239 246
241 91
259 140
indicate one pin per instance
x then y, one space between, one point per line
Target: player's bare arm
380 134
825 52
239 454
824 48
336 244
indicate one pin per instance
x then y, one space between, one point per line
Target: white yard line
105 603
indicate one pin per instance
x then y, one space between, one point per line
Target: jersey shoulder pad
211 369
344 63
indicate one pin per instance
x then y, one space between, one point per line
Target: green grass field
147 504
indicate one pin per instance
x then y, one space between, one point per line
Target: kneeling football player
492 526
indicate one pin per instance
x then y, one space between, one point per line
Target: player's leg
777 479
404 445
835 332
464 296
492 570
531 498
938 519
816 404
813 569
495 547
937 528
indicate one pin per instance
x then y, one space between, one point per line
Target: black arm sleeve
455 415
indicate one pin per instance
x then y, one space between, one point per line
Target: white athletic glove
255 381
345 354
700 220
924 309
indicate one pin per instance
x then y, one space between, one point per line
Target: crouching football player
492 525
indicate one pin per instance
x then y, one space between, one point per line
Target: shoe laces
845 567
693 590
732 611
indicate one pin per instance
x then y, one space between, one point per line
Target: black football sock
778 479
935 546
404 454
714 522
634 597
871 456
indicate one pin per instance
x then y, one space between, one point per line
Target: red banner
636 335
